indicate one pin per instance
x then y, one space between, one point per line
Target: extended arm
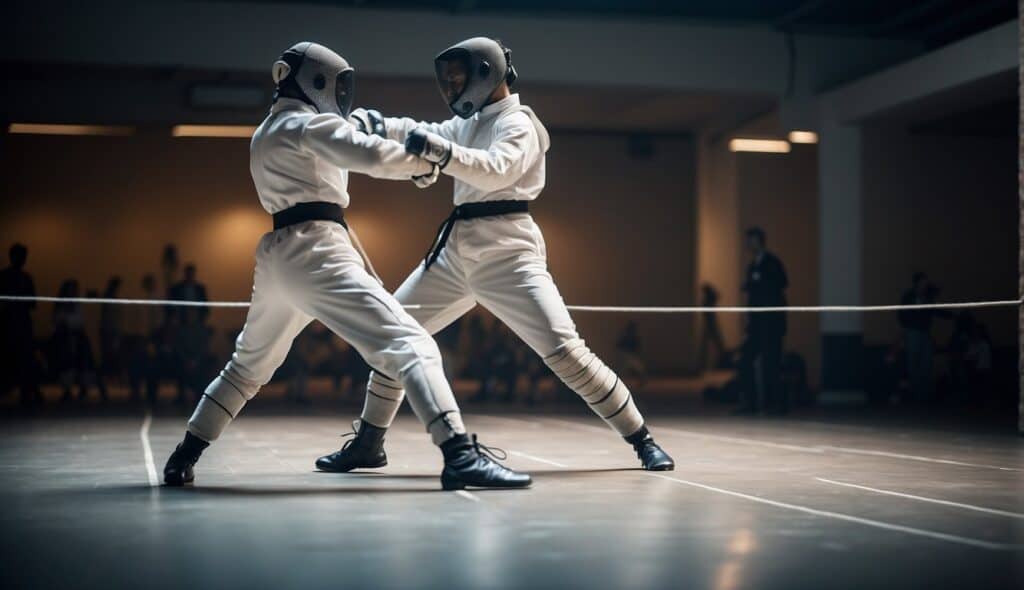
514 149
337 141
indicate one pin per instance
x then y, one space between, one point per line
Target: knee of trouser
582 371
400 357
222 401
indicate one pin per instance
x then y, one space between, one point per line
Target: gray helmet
317 76
470 71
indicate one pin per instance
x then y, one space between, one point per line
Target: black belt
470 211
314 211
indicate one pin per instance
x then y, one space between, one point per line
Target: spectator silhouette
139 345
190 341
169 265
711 341
72 357
917 331
111 326
761 355
17 355
188 289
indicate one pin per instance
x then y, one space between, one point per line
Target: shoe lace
642 446
493 452
351 436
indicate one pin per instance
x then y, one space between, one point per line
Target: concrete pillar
1020 189
841 233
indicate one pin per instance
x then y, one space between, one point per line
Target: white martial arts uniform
500 262
311 271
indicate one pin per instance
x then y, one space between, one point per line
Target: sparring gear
364 451
586 374
308 269
179 468
469 72
317 76
223 399
427 179
429 146
651 456
466 463
469 211
500 261
294 142
369 121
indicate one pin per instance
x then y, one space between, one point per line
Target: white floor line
743 441
817 449
848 518
833 449
147 451
467 495
917 458
924 499
538 459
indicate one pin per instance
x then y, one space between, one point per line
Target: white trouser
501 263
311 271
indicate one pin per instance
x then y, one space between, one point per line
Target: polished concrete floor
765 503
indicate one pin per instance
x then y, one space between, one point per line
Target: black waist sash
470 211
314 211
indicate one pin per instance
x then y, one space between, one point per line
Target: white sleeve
335 140
513 151
399 127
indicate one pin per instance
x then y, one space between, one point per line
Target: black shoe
178 471
364 451
466 463
652 457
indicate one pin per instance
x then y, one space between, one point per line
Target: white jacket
298 155
497 154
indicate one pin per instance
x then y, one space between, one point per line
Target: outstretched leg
435 299
270 327
522 294
354 306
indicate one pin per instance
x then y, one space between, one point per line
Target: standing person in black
761 358
17 356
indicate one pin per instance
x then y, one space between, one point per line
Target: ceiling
932 22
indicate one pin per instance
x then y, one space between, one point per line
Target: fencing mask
317 76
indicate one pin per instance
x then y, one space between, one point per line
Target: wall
945 205
619 230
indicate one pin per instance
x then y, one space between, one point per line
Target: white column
841 233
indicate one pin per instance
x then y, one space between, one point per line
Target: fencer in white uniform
490 251
307 268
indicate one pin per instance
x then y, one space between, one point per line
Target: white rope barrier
585 308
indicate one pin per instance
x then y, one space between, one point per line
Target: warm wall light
803 137
49 129
774 146
245 131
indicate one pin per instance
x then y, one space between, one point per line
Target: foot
178 471
652 457
467 463
364 451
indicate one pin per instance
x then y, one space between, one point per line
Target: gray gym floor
764 503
